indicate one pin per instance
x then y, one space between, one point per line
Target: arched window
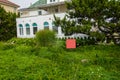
20 29
27 29
34 28
54 27
46 25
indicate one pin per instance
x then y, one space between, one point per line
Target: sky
23 3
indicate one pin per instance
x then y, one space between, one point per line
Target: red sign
70 43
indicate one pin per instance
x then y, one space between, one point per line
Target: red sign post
70 43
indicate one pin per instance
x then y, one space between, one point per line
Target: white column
50 25
24 32
18 32
31 30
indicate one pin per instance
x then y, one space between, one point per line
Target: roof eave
27 9
52 4
17 6
42 6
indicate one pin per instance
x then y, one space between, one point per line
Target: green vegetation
83 15
7 25
45 38
21 60
46 58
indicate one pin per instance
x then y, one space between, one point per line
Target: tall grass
25 62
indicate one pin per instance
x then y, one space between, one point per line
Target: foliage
1 45
6 46
85 41
80 41
45 38
58 47
103 15
7 25
98 36
22 41
69 27
25 62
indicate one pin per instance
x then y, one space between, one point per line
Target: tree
7 24
102 15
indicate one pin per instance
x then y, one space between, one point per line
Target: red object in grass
70 43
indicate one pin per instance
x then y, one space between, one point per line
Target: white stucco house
39 16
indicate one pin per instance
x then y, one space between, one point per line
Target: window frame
27 29
39 12
35 28
21 29
46 25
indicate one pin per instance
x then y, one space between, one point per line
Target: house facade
9 6
40 16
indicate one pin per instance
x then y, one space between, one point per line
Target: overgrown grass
22 61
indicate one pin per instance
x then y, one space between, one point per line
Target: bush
6 46
58 47
85 41
45 38
22 49
22 41
1 45
8 25
100 37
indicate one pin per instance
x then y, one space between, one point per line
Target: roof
42 6
49 5
7 2
38 3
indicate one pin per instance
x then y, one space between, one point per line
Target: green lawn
25 62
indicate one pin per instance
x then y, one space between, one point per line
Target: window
56 10
39 12
20 29
46 25
34 28
55 29
15 9
52 0
27 29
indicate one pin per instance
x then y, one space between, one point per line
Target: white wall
40 21
33 13
24 13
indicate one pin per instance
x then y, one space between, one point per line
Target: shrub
85 41
8 25
22 41
45 38
100 37
1 45
6 46
22 49
58 47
